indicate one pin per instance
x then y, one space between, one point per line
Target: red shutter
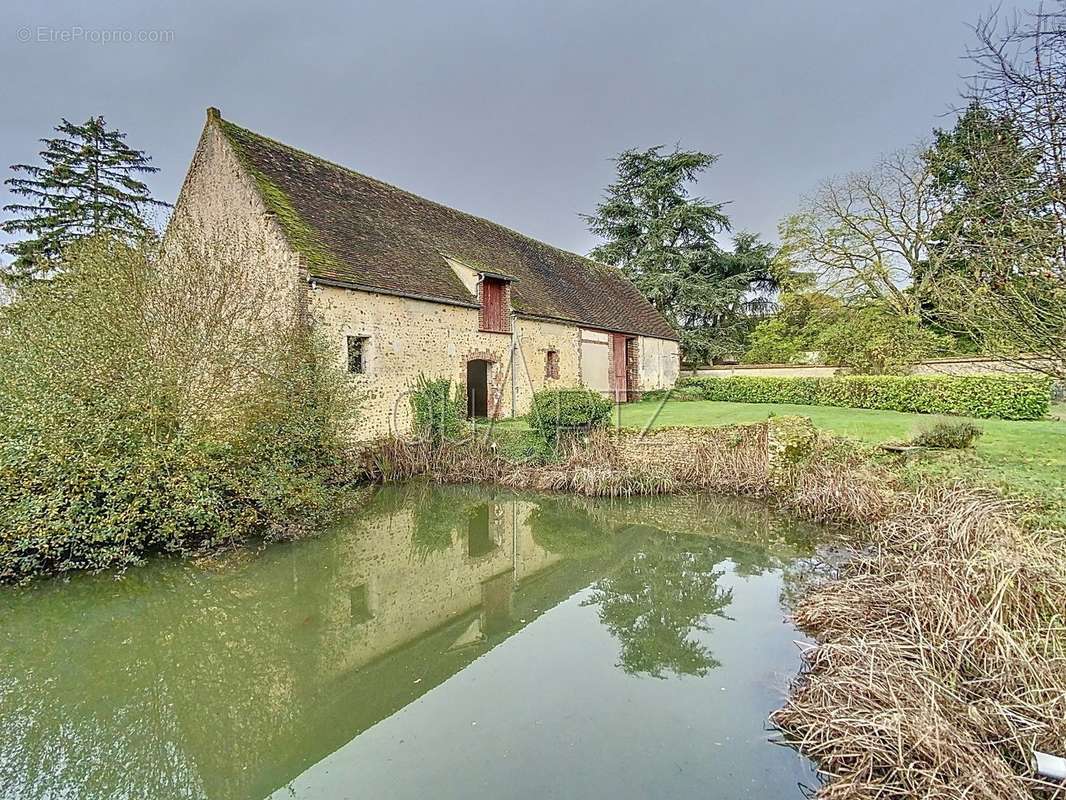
494 310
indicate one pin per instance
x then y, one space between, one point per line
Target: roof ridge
593 263
361 232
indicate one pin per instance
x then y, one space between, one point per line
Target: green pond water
442 643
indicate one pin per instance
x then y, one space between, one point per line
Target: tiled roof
357 231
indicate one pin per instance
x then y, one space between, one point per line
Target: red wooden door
494 311
618 360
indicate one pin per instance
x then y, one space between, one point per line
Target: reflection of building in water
228 683
382 594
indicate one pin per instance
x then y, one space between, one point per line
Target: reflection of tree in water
567 529
439 513
436 521
657 599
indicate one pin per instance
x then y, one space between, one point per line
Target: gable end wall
219 204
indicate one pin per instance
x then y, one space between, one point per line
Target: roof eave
359 287
594 326
428 298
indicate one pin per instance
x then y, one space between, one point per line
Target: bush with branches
147 405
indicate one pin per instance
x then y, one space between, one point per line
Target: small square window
357 354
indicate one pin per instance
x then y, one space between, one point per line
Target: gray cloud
507 110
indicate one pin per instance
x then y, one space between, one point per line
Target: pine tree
665 241
86 186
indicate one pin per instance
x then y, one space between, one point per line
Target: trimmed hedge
559 411
984 396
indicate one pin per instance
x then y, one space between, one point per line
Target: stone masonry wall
535 339
409 337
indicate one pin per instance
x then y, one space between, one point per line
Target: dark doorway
479 541
477 388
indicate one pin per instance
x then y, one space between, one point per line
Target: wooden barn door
619 384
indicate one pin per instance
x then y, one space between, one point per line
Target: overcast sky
509 110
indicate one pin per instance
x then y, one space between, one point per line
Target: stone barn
403 286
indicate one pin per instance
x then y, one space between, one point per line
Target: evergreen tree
86 186
990 198
665 242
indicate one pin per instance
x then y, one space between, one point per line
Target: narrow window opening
357 354
359 603
551 364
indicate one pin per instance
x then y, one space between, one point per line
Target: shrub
520 446
984 396
437 409
686 393
792 332
130 423
873 340
948 436
679 393
557 412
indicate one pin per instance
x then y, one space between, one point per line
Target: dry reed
603 464
941 655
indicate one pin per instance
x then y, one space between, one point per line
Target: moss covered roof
357 231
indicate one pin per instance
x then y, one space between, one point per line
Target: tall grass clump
437 409
601 464
154 404
941 656
948 436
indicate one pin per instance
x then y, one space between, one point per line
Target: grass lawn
1023 456
1020 457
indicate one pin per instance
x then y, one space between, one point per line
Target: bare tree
870 235
989 261
1021 73
221 321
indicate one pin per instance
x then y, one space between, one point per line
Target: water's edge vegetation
940 662
130 425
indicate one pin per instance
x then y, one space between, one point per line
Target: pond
446 642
